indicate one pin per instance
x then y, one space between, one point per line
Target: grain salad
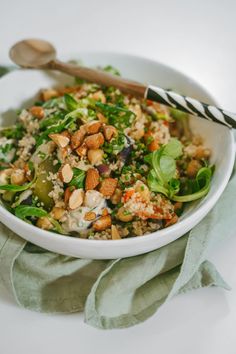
91 162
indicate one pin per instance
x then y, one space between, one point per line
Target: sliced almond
92 179
94 141
82 150
101 117
67 194
76 198
89 216
48 94
115 235
66 173
93 127
63 153
108 186
105 212
61 140
102 223
99 96
109 132
77 138
37 112
66 133
95 156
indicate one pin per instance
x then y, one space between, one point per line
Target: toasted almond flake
76 199
105 212
115 235
93 127
37 112
61 140
67 194
94 141
108 186
92 179
66 173
101 117
48 94
82 150
109 131
77 138
89 216
102 223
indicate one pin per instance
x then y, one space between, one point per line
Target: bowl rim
208 204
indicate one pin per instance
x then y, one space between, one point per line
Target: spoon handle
153 93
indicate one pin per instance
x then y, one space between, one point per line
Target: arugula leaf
53 103
174 148
51 120
71 103
16 188
56 128
163 161
24 211
78 178
161 177
202 181
118 116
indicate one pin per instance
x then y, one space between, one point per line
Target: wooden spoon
40 54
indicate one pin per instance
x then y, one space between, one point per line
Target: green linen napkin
122 292
117 293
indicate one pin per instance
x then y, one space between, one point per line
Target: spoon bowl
32 53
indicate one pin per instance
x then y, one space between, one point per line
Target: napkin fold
116 293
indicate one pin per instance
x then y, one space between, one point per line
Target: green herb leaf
118 116
71 103
78 178
116 145
111 70
202 180
174 148
13 132
24 211
56 128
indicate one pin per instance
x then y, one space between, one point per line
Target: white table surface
197 37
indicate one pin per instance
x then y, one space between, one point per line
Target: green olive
43 186
8 196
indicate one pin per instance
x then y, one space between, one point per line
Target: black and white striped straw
191 106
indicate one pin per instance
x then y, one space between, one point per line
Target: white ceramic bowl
17 90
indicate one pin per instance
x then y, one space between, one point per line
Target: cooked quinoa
91 162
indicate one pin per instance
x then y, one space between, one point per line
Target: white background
197 37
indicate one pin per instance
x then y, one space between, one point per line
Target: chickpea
116 197
18 177
124 215
95 156
57 213
44 223
193 168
